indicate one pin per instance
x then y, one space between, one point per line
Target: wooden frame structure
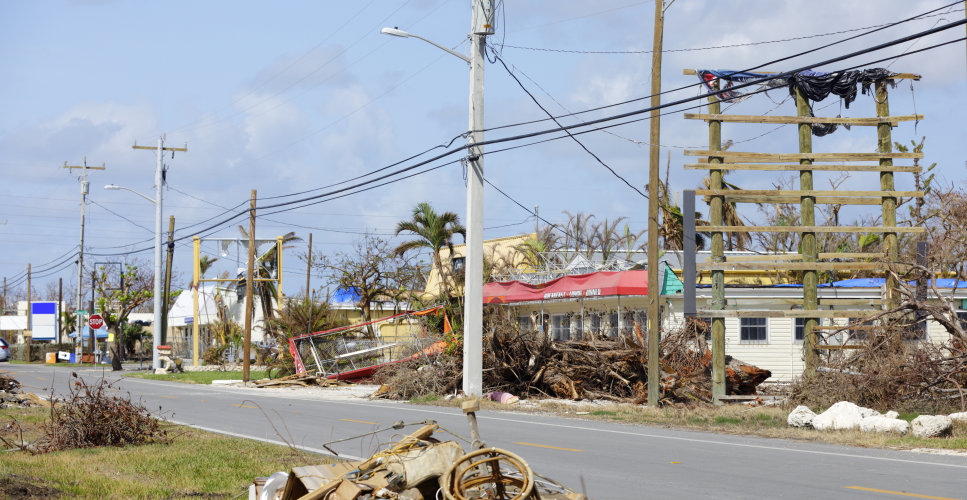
810 262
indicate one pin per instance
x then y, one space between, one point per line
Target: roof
183 308
600 284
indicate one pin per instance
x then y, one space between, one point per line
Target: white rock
961 417
891 414
841 416
868 412
928 426
881 423
802 416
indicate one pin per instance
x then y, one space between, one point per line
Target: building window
524 323
860 330
703 326
800 329
613 324
753 329
962 316
578 322
560 327
641 317
595 323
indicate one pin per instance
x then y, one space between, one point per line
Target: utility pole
309 269
164 302
30 316
93 337
537 222
654 290
80 250
60 310
158 182
482 24
249 285
4 310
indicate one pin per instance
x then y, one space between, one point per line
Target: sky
293 96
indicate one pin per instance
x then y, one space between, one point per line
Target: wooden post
309 269
885 145
278 274
195 283
654 373
718 250
167 289
810 251
688 253
249 286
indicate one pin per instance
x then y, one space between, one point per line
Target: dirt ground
16 487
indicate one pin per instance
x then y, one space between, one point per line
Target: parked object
4 350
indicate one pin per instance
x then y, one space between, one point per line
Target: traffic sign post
95 322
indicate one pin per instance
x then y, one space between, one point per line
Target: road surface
605 460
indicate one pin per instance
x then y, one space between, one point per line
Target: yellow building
498 253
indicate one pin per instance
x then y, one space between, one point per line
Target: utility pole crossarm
86 167
164 148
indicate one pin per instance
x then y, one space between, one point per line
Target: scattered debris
418 467
505 398
300 381
12 396
15 487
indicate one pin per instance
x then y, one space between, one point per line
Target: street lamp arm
404 34
115 188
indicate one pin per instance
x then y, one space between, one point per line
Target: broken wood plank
790 120
795 167
750 157
796 313
810 229
732 193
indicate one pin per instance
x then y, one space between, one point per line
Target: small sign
189 320
96 321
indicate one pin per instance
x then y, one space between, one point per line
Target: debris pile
299 381
417 467
845 415
11 395
89 417
529 364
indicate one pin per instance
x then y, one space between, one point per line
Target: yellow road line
900 493
169 397
359 421
244 406
546 446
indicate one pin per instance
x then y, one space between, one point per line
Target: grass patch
194 463
200 377
607 413
426 399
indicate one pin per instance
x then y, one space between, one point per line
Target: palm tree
205 263
532 250
433 231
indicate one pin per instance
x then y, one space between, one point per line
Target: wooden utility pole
167 289
60 311
654 290
718 249
30 316
309 268
249 285
810 251
888 204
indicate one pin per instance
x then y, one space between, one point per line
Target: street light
156 334
482 24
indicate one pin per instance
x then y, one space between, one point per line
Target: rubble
883 423
418 467
959 416
802 416
300 381
11 395
929 426
614 369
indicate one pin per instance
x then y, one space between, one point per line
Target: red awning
601 284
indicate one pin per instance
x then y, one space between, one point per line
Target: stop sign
95 321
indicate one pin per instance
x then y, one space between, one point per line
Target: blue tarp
344 295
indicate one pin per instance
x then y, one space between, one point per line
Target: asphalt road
605 460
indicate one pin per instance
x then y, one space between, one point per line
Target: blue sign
43 320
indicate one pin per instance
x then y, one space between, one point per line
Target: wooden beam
834 347
792 120
801 193
796 256
822 301
822 200
898 76
795 167
793 313
790 157
791 266
810 229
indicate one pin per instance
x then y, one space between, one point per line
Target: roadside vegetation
200 377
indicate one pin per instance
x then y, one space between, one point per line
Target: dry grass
193 464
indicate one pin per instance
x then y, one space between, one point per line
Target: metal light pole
482 24
155 360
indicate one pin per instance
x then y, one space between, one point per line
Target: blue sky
289 96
